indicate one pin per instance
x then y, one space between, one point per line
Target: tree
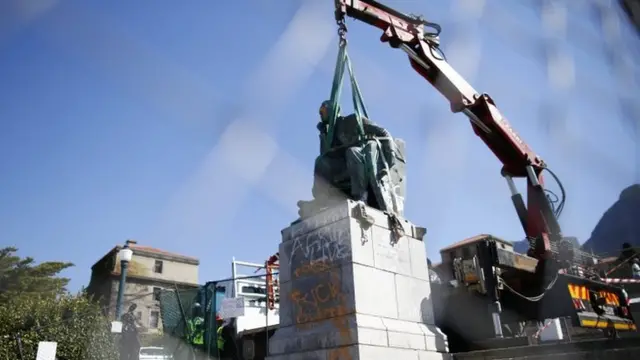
75 322
35 306
23 278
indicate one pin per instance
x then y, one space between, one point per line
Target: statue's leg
321 174
371 157
328 173
355 159
379 180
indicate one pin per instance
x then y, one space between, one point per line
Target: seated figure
362 162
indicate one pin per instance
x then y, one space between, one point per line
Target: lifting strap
360 111
343 62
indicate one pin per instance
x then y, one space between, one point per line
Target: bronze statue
362 161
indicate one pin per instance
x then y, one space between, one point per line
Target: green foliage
23 278
74 322
35 306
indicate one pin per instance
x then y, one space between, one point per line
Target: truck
542 284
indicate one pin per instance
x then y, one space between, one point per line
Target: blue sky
116 116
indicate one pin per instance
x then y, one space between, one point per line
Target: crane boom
408 33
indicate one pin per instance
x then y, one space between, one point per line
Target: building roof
472 240
151 250
148 250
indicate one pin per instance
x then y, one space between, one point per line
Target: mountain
521 246
620 224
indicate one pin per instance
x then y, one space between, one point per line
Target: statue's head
325 110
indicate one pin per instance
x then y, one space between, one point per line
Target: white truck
247 302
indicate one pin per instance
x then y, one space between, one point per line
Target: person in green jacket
195 327
220 336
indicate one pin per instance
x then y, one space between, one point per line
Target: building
150 271
466 249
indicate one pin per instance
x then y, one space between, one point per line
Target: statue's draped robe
357 169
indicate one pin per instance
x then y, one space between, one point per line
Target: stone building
150 271
466 250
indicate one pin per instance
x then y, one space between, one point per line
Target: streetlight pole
125 255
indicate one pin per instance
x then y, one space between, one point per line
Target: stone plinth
350 292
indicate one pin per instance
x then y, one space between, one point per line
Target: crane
538 215
409 33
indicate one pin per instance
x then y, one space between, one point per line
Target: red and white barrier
622 281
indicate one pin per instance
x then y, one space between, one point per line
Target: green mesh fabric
176 310
173 316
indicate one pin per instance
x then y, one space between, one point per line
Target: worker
130 344
367 160
635 268
224 332
195 327
219 329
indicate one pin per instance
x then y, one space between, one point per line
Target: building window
157 267
466 253
139 315
154 319
502 246
156 293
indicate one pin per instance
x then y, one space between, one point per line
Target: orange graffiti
314 267
317 300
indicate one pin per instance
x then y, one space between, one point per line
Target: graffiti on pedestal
330 245
321 297
317 292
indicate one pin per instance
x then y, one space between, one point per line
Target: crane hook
342 31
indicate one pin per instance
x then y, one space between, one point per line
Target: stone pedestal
350 292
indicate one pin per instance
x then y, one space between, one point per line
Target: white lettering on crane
505 125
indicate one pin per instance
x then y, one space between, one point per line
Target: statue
362 162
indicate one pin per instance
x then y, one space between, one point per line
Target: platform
353 292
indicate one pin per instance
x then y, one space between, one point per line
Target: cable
431 39
557 203
530 298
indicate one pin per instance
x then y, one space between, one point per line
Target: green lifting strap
358 102
359 108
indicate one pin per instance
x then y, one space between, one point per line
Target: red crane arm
408 33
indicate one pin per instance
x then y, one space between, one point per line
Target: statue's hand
322 127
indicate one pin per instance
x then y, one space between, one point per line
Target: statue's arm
371 128
322 129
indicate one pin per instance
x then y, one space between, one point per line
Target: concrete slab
352 292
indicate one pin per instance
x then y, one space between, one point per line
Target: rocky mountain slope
619 224
523 245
